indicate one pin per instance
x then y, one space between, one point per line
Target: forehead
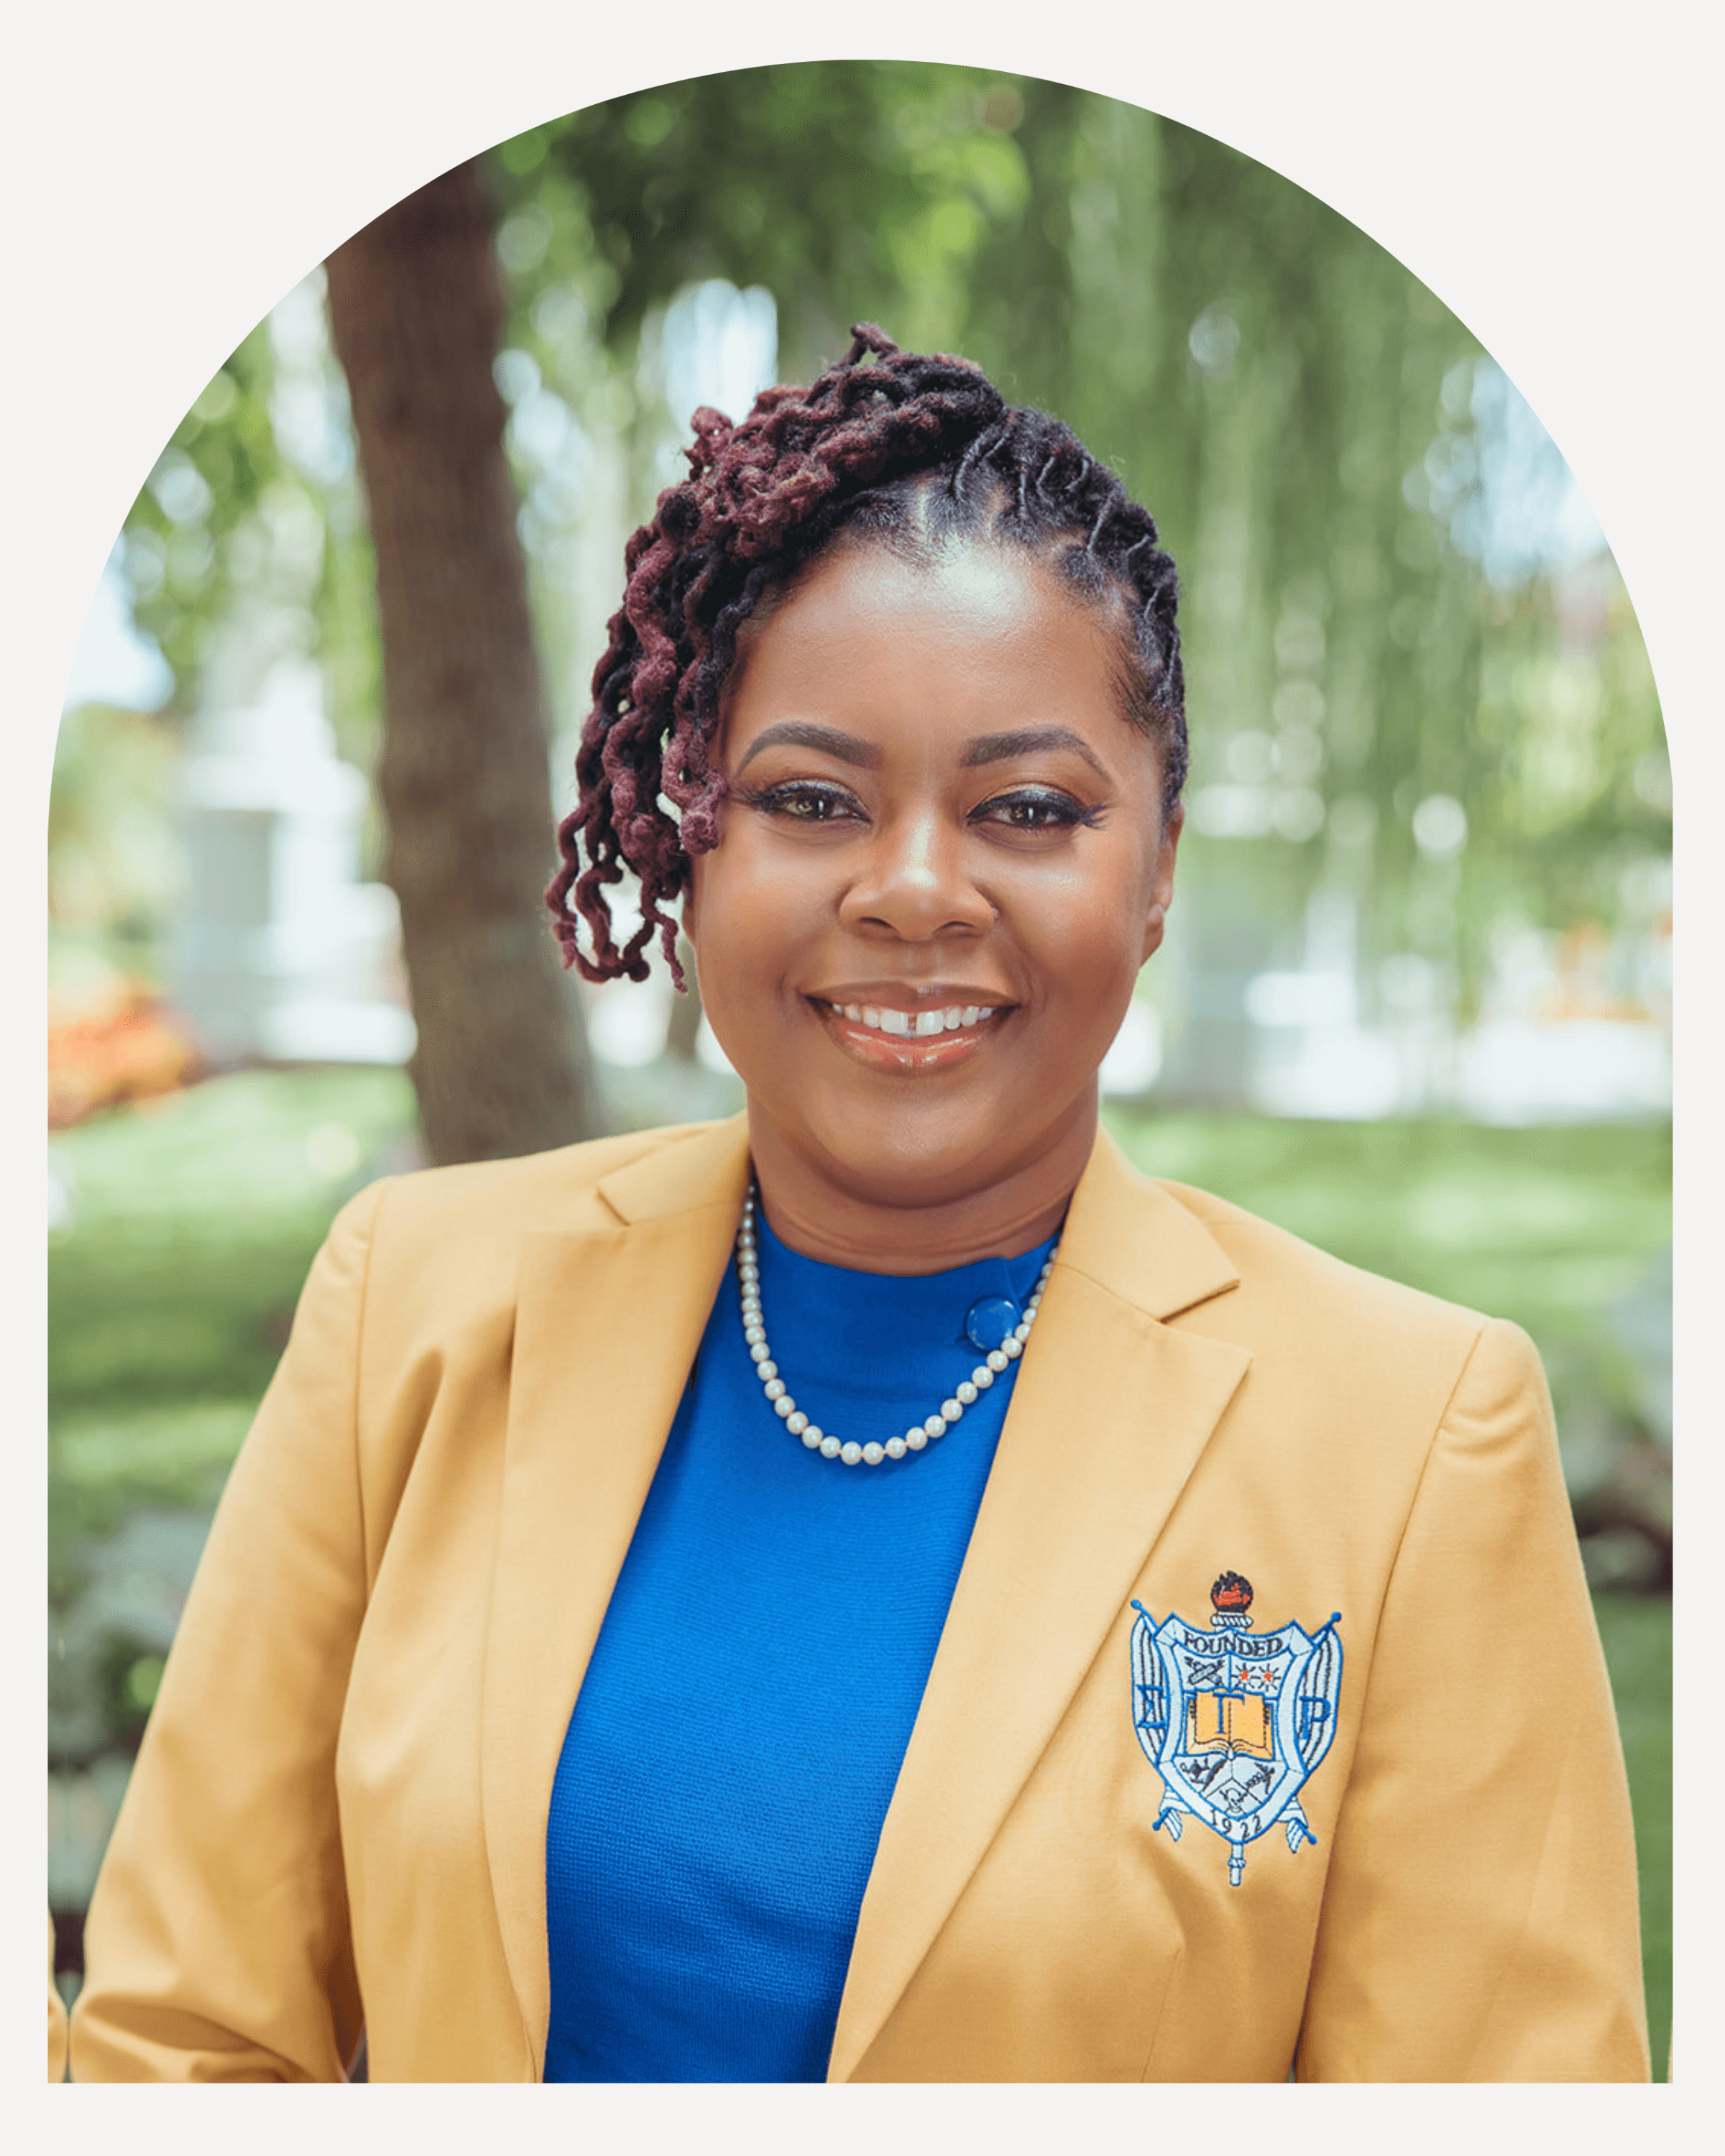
975 626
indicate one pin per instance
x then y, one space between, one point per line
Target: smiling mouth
905 1042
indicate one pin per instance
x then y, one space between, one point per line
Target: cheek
746 876
1092 946
718 912
1097 916
742 919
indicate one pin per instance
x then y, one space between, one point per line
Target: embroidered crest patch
1233 1720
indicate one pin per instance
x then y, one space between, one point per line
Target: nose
915 878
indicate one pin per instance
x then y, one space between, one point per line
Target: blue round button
988 1320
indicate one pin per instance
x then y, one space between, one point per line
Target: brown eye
805 801
1034 808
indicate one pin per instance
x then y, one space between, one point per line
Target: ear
1162 888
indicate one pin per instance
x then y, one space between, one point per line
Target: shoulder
1343 1359
480 1212
1287 1283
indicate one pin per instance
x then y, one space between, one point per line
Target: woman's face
942 865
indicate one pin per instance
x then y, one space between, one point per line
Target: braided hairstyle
888 447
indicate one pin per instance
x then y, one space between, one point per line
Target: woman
876 1590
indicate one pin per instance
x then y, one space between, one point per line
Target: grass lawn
1545 1225
192 1223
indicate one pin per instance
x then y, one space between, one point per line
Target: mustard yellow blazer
337 1818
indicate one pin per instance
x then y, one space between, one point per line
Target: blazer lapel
608 1319
1111 1411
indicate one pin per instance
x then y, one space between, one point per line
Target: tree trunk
416 310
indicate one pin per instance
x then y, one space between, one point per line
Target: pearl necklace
853 1454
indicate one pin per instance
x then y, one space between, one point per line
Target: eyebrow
985 748
799 733
1027 741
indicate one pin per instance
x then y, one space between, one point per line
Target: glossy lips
887 1037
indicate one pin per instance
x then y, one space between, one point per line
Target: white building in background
282 952
1551 1044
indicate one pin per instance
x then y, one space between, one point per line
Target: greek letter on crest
1234 1720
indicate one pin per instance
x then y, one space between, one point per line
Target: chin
913 1160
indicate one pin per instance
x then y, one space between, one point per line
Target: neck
875 1225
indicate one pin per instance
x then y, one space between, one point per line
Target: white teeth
919 1025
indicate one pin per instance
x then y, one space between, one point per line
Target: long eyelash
1068 813
772 798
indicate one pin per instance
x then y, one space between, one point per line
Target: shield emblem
1233 1720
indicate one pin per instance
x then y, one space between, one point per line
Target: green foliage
1543 1226
849 190
113 869
249 542
193 1221
186 534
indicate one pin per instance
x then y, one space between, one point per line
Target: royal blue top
731 1754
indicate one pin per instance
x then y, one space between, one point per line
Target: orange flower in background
130 1047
